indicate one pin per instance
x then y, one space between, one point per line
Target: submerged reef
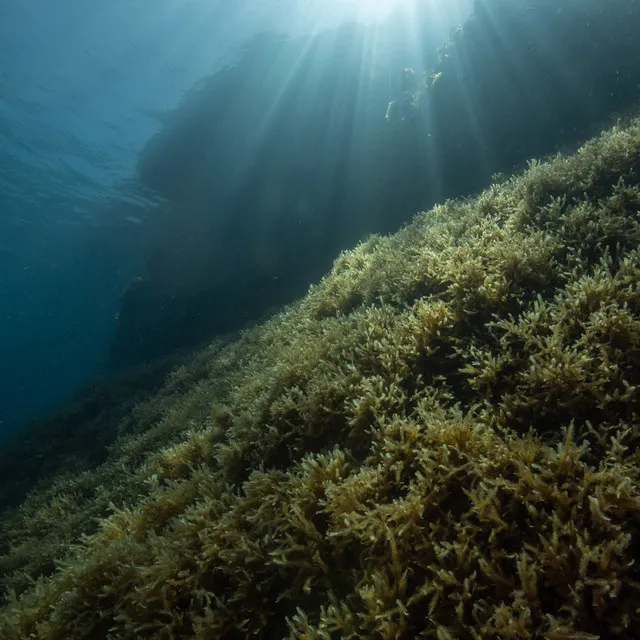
264 207
440 440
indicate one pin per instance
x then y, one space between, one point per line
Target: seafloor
439 441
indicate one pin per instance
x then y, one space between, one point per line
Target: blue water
83 88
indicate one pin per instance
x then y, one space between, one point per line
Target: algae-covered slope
440 440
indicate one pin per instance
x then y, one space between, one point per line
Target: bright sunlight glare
374 10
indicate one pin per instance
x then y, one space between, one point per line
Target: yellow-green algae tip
439 441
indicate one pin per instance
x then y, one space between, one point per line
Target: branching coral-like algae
439 441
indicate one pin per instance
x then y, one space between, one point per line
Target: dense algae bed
440 440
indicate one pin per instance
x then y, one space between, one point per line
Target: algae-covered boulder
440 440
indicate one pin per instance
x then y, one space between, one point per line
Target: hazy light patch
375 10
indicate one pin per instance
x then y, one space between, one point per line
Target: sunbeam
376 10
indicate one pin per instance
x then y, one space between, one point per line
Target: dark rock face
279 162
525 79
273 166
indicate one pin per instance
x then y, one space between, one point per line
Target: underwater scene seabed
440 440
